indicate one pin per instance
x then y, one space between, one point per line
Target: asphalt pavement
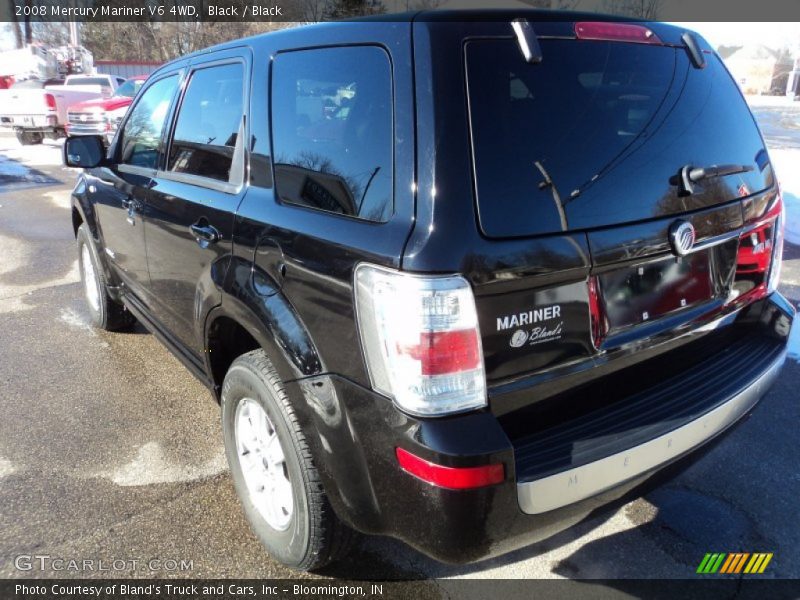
111 451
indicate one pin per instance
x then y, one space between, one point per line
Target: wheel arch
245 321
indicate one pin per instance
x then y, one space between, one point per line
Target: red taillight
615 32
441 352
421 340
455 478
756 255
597 319
50 101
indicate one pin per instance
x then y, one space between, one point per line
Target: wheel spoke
263 464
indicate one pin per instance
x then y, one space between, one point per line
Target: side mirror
84 152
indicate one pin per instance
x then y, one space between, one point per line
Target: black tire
29 138
315 536
107 313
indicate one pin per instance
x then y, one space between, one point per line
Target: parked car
106 85
504 293
36 108
101 116
34 112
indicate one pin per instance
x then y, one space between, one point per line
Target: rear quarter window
332 129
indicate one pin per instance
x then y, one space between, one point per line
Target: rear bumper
354 433
30 122
576 484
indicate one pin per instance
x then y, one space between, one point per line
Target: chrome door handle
129 205
204 233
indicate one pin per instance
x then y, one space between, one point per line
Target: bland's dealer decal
548 331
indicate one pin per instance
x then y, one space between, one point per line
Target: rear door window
593 134
208 123
332 130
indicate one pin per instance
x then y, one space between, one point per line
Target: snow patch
792 203
151 466
6 468
785 162
60 199
75 320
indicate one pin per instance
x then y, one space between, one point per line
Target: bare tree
312 11
28 30
163 41
50 34
643 9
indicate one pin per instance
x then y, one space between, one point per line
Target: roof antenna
527 41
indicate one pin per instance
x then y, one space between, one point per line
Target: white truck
36 108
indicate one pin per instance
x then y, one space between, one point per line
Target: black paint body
285 274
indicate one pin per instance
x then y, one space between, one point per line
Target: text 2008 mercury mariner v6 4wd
460 279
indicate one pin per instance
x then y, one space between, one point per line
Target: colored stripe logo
729 563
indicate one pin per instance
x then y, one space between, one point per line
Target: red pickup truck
102 115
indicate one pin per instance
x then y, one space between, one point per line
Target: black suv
460 279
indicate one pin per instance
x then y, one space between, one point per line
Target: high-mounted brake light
421 340
615 32
455 478
50 101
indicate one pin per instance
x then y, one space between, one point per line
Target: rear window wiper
689 175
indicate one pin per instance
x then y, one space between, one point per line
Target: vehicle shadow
379 557
15 176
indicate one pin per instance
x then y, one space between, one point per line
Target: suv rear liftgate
632 215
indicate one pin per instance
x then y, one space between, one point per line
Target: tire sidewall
291 545
84 239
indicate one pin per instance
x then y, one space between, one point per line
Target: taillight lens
421 340
758 261
777 249
615 32
50 101
597 316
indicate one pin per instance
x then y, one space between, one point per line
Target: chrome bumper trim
567 487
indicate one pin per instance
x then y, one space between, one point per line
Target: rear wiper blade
689 175
548 183
527 41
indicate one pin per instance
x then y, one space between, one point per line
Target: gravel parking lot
109 449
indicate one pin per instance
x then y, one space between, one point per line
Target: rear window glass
599 128
129 88
89 81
